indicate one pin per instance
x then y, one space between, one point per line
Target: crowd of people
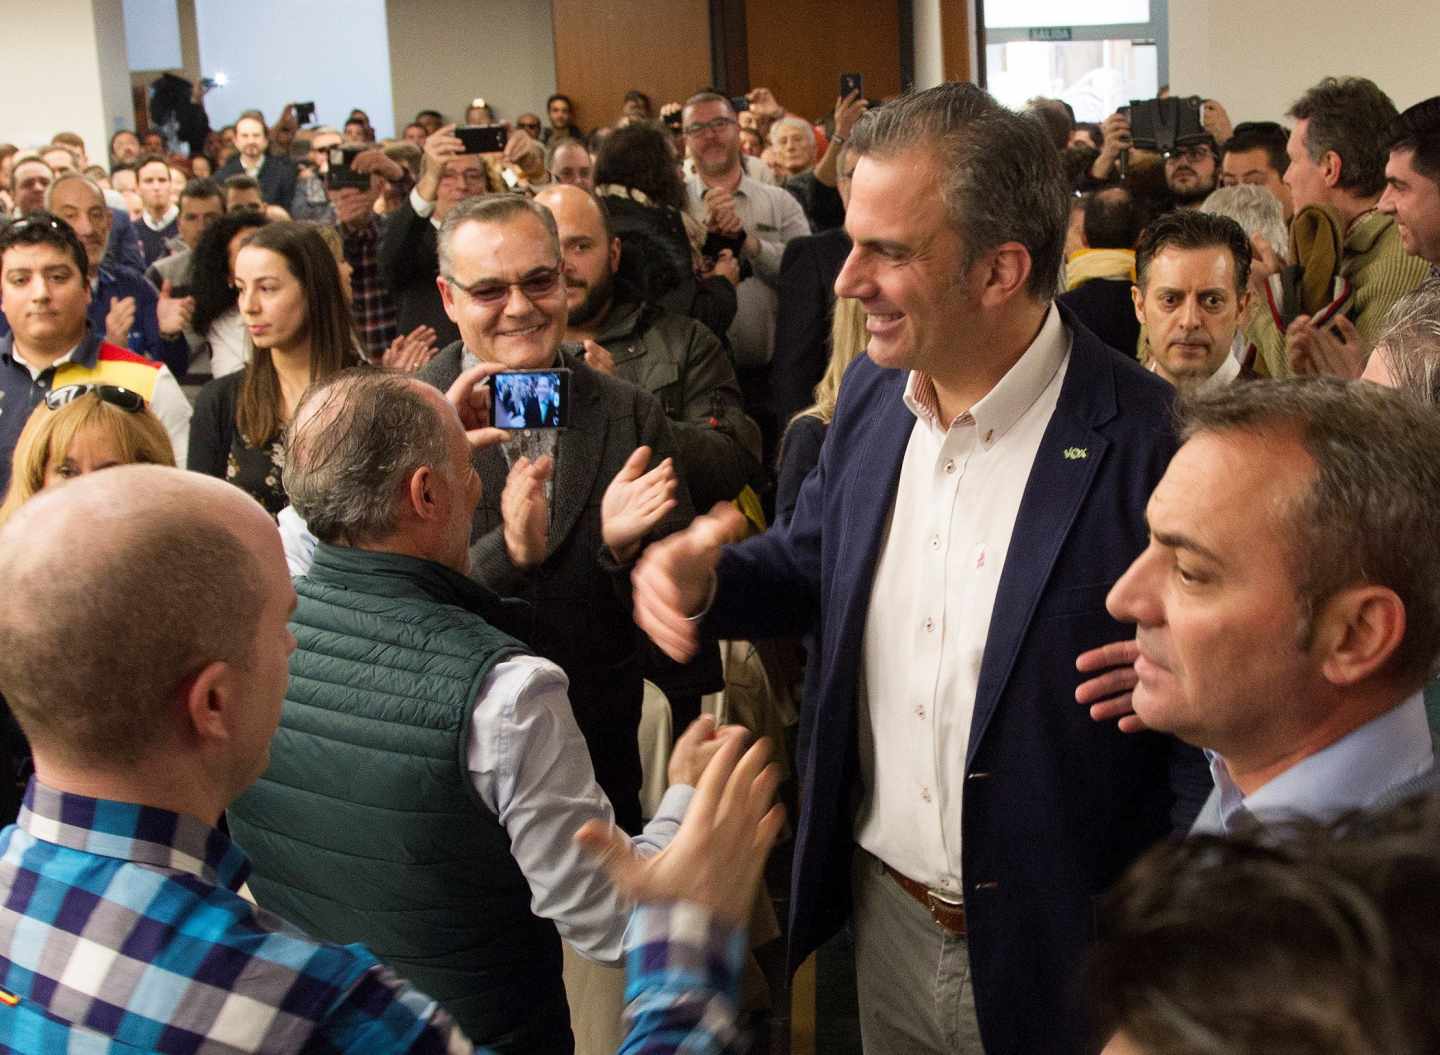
1079 484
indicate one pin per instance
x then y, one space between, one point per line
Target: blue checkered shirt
122 931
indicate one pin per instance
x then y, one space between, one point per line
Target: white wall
64 70
443 53
1257 58
283 51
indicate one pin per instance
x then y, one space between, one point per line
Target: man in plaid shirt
147 668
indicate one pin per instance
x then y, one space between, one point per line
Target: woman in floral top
293 305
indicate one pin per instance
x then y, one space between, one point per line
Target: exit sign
1051 33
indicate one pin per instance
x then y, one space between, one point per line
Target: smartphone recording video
341 174
482 139
531 399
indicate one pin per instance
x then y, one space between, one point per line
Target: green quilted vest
365 827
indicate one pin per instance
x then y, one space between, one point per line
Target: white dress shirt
774 217
945 547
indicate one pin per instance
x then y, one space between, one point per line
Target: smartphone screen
531 399
851 82
341 174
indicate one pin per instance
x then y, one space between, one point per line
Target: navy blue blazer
1055 805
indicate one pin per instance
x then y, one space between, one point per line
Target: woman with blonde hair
77 430
800 447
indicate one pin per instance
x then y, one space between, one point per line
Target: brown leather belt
948 915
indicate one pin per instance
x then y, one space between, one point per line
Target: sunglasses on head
124 398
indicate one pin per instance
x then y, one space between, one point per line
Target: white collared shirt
929 617
165 221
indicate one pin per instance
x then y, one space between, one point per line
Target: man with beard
673 357
1192 171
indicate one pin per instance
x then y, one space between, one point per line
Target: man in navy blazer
982 486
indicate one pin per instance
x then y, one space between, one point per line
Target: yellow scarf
1099 263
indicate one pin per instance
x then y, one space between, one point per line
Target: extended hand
525 511
1109 693
635 502
717 856
598 357
672 580
847 111
470 396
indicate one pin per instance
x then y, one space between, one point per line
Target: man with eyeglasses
756 220
408 262
1192 171
45 295
530 125
564 512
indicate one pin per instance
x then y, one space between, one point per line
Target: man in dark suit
276 175
563 512
982 485
1100 274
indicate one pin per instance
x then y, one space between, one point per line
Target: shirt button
929 626
950 466
935 542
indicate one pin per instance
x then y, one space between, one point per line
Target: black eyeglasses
528 126
127 400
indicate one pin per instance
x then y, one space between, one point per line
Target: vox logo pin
1072 453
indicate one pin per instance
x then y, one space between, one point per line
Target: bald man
150 698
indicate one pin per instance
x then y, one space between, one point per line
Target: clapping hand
635 502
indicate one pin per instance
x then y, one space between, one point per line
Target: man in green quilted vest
428 775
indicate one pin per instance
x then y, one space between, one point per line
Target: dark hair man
124 307
1256 154
1288 605
1412 181
561 112
673 357
48 342
243 194
1099 274
429 120
124 148
1323 944
488 775
275 175
985 469
1337 160
407 254
564 512
1192 274
150 705
202 202
159 214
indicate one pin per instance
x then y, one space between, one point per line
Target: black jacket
409 262
277 178
802 324
578 613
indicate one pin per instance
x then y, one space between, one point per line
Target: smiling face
501 323
712 136
44 296
1219 620
271 301
907 267
1414 200
1192 309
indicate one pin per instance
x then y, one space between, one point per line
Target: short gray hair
1369 514
490 208
1256 210
72 177
1410 343
356 440
790 121
1000 176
